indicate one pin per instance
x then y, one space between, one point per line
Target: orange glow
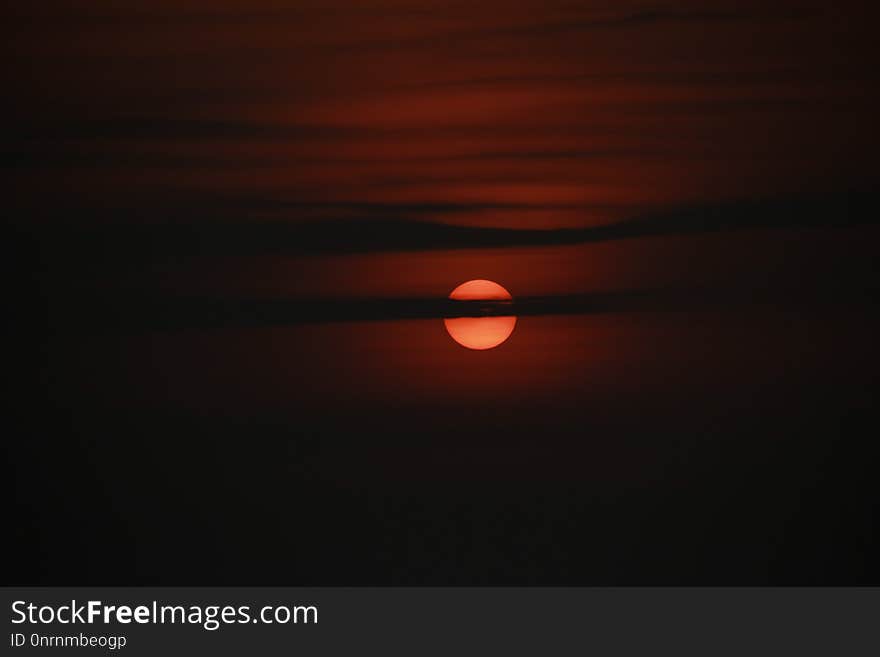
480 290
480 333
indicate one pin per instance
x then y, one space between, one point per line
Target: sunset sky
236 215
515 115
508 114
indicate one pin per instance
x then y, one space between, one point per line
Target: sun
480 332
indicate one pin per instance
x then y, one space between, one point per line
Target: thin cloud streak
146 314
363 227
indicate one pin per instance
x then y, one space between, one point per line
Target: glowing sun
480 332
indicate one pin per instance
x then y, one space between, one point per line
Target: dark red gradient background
727 440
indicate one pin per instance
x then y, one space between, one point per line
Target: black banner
451 621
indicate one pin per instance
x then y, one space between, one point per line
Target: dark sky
203 190
515 115
572 113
